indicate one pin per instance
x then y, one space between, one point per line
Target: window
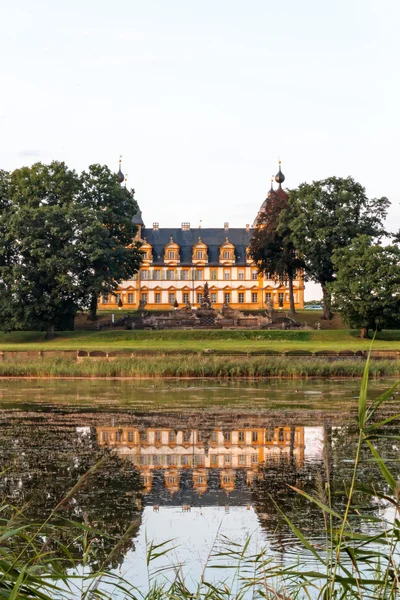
213 296
268 275
227 254
143 274
254 436
171 480
269 434
185 275
241 436
213 274
157 275
105 299
171 297
254 459
105 436
199 254
184 460
227 459
186 436
213 436
199 297
158 436
227 437
268 297
254 297
156 460
157 298
185 297
280 298
241 275
242 459
170 460
130 298
241 297
281 434
254 275
171 254
198 274
227 275
130 436
227 478
143 436
118 436
172 436
200 479
144 297
227 297
199 436
170 275
117 298
214 459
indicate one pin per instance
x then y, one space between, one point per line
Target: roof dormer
171 253
249 260
147 250
227 253
200 253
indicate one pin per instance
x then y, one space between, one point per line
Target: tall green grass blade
389 478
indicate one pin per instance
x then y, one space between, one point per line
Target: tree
327 216
367 286
271 246
40 262
64 239
110 255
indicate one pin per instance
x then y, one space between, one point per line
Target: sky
201 98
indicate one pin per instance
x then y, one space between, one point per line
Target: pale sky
201 98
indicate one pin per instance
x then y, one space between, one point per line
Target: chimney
247 227
226 225
156 226
185 226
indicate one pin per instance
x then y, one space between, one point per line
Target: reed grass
197 366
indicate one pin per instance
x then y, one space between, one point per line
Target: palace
177 262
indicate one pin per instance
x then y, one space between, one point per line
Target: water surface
192 460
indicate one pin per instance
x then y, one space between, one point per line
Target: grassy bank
197 366
200 340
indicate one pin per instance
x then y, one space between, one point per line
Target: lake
191 461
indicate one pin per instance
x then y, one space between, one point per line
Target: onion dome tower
271 189
279 177
120 175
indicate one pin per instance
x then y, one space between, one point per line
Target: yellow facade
239 286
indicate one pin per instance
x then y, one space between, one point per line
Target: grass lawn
199 340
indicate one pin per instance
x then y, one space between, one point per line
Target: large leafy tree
63 238
271 246
109 252
328 215
40 269
366 290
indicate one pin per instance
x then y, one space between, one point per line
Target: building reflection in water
214 467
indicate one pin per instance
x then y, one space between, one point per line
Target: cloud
29 153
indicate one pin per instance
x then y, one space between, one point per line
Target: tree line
65 238
332 232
